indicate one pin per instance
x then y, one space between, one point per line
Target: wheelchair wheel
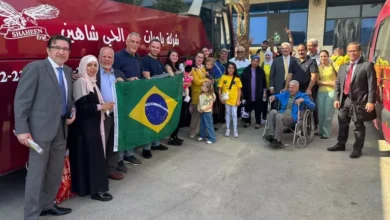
301 141
308 125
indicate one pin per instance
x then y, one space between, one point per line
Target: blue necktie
63 90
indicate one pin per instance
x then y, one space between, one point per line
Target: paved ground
234 179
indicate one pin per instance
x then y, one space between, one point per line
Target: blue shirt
152 65
127 63
107 80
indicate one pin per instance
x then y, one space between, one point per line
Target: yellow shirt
199 77
267 71
327 74
340 60
224 83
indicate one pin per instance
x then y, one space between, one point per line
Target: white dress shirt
354 67
55 66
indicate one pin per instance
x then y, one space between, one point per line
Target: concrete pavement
234 179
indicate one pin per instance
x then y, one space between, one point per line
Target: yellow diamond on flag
154 110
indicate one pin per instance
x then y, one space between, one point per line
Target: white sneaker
235 134
209 142
200 139
227 133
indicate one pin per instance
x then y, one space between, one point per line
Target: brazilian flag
146 110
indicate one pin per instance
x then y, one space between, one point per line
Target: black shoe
269 138
160 147
132 160
147 154
175 142
276 143
247 125
215 129
355 154
178 139
337 147
56 211
102 196
121 167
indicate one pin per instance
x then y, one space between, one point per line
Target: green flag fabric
146 110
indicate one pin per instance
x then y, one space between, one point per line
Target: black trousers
258 108
344 118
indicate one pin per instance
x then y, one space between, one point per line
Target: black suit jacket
363 85
277 74
117 73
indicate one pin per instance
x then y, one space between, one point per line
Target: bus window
382 47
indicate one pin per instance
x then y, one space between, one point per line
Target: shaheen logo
24 24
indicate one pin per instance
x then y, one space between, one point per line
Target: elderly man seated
288 113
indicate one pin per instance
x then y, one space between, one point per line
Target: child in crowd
187 78
209 68
205 107
229 93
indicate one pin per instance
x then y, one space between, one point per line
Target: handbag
225 96
65 190
359 113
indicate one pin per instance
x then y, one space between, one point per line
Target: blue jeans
149 146
206 125
128 153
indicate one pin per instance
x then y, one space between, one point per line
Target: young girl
187 79
205 106
229 94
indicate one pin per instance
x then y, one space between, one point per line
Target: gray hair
133 34
106 48
313 41
294 82
286 44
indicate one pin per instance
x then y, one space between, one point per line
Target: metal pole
212 25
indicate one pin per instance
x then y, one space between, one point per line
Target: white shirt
240 63
55 66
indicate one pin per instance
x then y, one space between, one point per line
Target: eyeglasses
240 51
65 49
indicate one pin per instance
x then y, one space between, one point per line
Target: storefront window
352 19
366 29
371 10
298 27
329 32
275 17
350 11
258 29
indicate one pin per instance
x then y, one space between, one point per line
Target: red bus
379 53
26 25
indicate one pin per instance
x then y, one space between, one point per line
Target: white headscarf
87 83
271 59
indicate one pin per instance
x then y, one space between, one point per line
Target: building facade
334 23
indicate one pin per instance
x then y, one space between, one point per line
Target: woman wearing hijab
86 139
266 66
254 90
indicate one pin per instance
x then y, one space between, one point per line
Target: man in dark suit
106 77
280 69
43 106
355 98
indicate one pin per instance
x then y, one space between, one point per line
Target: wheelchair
303 129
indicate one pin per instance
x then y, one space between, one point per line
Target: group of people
50 98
